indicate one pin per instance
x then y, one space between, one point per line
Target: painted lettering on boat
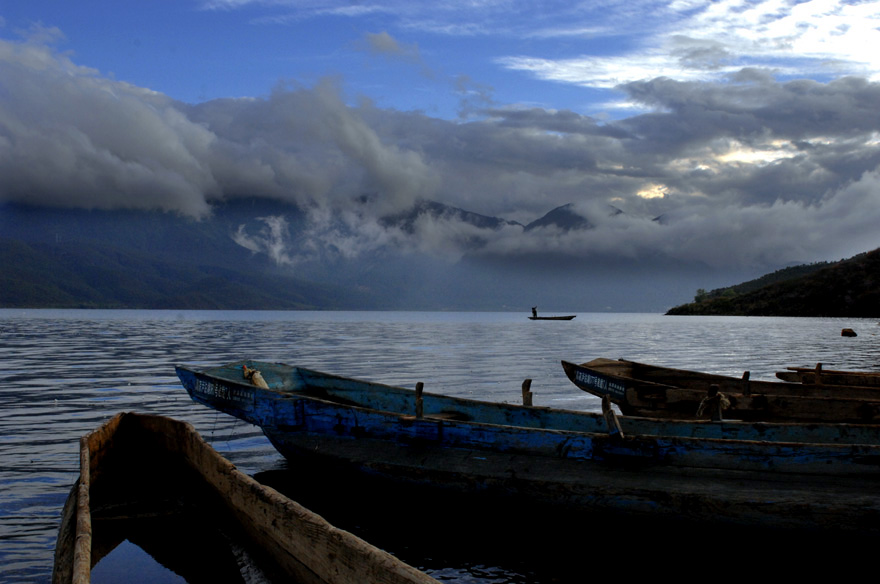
240 396
600 384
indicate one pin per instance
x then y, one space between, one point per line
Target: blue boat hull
552 456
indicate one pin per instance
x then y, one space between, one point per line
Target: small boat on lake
819 376
536 317
156 482
640 389
785 476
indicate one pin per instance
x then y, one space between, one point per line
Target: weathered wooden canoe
819 376
137 467
554 457
566 317
639 389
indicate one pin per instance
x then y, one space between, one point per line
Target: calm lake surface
65 372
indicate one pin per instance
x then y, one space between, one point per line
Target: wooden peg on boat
419 407
614 429
526 392
747 387
817 374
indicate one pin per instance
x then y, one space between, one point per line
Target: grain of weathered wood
306 546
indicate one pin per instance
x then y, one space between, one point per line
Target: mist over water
66 372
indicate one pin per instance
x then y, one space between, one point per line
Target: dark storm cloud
748 172
795 110
70 137
307 146
830 130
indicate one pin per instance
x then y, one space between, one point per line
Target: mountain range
253 253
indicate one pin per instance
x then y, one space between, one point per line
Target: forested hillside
848 288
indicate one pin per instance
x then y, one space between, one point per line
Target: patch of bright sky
739 153
555 54
653 191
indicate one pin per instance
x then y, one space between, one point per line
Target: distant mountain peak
568 219
564 217
406 220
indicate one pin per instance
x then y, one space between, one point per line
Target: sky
732 133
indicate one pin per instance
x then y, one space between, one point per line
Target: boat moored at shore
558 458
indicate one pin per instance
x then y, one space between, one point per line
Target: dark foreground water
66 372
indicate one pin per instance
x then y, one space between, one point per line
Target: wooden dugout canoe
819 376
139 466
554 457
640 389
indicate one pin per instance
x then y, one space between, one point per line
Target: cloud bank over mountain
742 171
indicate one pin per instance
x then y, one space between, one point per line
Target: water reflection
66 372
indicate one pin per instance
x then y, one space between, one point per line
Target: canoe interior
155 482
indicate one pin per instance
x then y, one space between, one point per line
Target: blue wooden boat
640 389
785 475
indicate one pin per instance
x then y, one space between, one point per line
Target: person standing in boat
535 311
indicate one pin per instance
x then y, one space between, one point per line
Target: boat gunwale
694 393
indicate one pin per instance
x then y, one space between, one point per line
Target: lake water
67 371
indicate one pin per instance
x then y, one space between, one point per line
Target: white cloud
608 72
708 40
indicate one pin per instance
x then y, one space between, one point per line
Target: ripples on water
66 372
